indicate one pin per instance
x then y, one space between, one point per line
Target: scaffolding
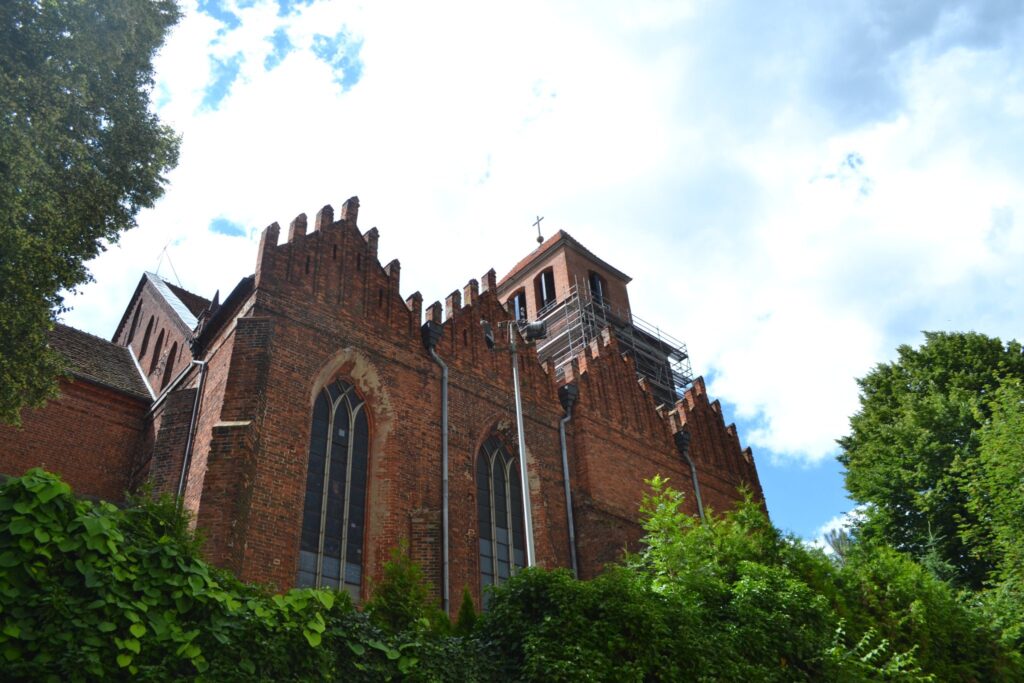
575 321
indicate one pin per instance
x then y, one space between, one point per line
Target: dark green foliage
915 438
995 482
735 600
91 592
401 601
465 622
888 594
80 154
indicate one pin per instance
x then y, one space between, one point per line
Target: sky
795 188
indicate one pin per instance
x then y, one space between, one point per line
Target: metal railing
574 322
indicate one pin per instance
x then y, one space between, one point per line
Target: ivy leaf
124 659
53 490
137 630
326 598
41 535
20 525
313 637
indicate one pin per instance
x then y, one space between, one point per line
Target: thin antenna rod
164 252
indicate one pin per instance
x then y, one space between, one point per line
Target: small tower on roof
555 271
577 294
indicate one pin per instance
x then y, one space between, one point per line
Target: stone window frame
333 505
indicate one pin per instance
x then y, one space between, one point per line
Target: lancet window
499 498
331 547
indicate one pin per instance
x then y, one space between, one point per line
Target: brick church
313 419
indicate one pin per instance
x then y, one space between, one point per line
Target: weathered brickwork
320 308
91 436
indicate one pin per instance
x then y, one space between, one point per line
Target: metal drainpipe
568 394
683 445
531 558
191 431
432 332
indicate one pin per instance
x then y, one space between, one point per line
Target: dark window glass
517 305
596 287
331 548
544 284
500 514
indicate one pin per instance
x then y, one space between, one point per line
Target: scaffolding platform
573 323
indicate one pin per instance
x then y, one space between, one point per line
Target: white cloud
690 144
841 522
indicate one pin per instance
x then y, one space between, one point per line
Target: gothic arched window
499 500
331 547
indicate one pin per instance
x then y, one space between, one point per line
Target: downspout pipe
187 460
432 333
568 395
531 557
682 438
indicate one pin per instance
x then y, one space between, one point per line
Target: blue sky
796 188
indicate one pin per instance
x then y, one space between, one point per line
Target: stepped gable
97 360
333 267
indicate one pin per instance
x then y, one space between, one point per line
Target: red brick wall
158 364
324 308
722 467
569 268
91 436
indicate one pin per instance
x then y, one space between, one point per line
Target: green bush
89 591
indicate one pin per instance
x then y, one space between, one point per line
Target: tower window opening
597 288
544 285
517 305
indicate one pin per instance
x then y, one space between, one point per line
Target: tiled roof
98 360
193 302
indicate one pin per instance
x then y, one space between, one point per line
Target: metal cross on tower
540 238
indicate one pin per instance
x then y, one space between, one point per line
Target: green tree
995 482
80 154
401 600
914 439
